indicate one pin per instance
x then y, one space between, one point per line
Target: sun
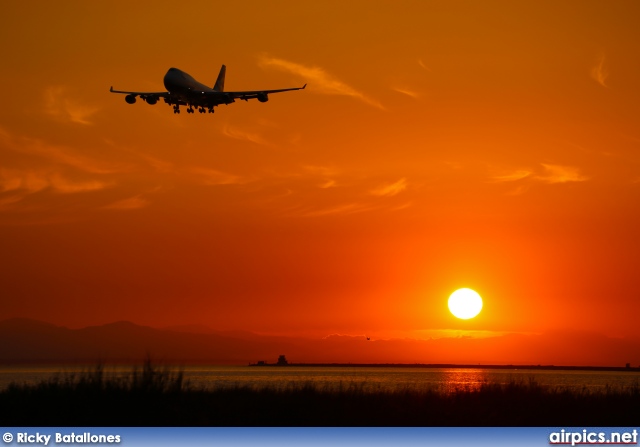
465 303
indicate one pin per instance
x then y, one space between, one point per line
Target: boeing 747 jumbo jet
183 90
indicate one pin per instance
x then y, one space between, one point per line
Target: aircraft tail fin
219 85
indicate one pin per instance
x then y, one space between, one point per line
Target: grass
160 397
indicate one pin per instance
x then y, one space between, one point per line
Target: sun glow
465 303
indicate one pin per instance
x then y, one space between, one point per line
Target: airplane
184 90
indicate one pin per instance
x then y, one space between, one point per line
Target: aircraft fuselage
178 82
185 89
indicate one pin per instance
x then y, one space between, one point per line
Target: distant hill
23 340
29 341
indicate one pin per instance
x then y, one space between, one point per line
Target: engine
130 99
151 100
263 97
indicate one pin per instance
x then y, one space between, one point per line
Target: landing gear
192 109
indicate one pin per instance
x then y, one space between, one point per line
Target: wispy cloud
319 80
561 174
406 91
327 175
238 134
58 154
329 183
157 164
6 203
58 104
550 174
348 208
131 203
390 189
403 206
511 176
326 171
27 181
32 181
212 177
599 72
66 186
423 65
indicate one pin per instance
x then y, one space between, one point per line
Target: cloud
212 177
511 176
348 208
66 186
403 206
328 184
326 171
407 92
58 104
238 134
27 181
157 164
599 73
551 174
32 181
57 154
390 189
561 174
132 203
6 202
519 190
423 65
319 80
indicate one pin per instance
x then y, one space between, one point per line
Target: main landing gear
199 109
190 109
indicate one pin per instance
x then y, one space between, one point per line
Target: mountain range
30 341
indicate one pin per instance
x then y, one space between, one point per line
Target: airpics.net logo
586 437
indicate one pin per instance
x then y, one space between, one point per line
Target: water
364 378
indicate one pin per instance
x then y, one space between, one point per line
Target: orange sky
439 144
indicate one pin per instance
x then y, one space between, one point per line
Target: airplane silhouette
184 90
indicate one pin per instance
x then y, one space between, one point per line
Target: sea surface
363 378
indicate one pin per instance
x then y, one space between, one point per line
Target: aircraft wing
260 94
148 97
142 94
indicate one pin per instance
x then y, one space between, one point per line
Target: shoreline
180 364
450 366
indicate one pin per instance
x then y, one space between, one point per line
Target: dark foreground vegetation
154 397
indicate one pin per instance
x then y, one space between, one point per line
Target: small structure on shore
282 361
